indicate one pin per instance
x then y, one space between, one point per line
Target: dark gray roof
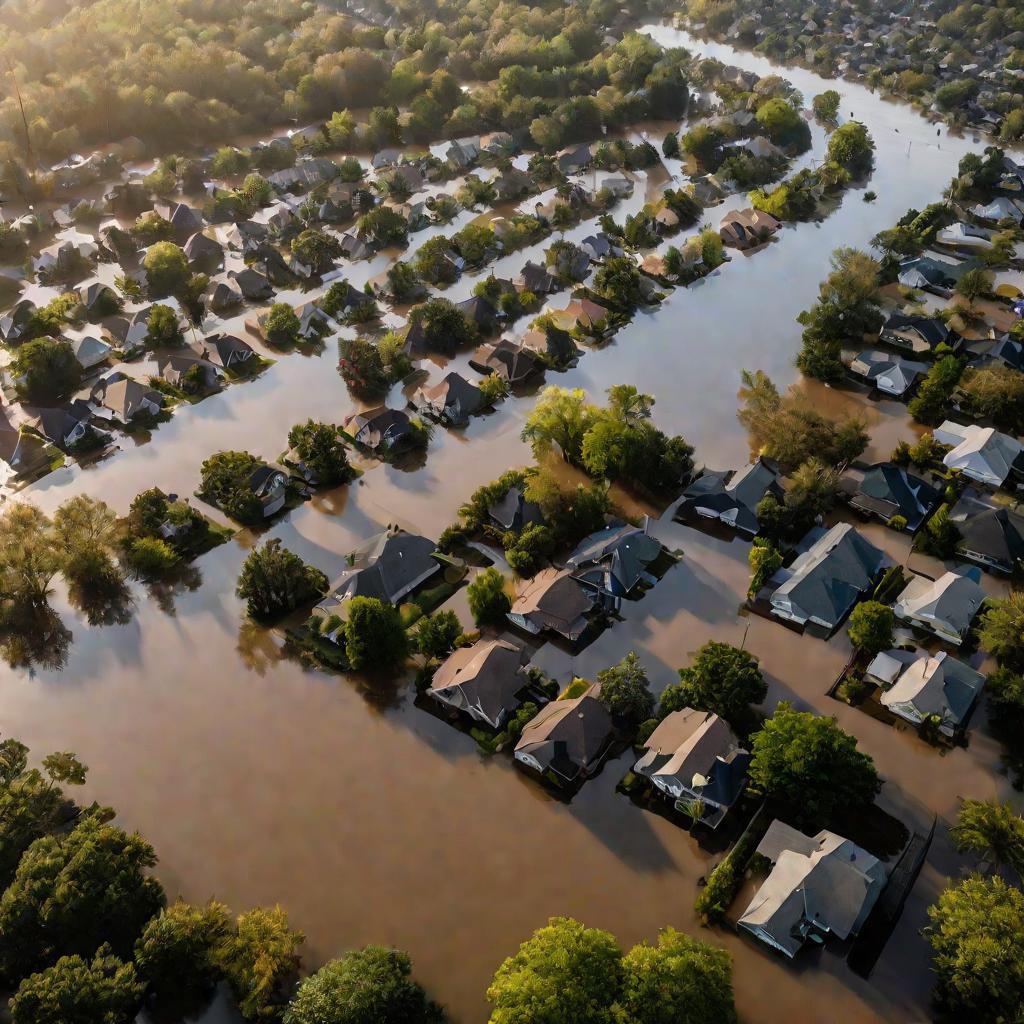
513 511
386 566
614 558
888 490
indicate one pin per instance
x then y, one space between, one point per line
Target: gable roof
568 736
386 567
553 599
935 685
614 559
947 605
993 532
487 677
981 453
733 496
887 490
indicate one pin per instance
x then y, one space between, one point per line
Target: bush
488 601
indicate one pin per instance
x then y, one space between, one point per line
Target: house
63 426
553 601
917 685
981 453
574 159
600 247
512 185
890 374
245 236
379 429
589 317
535 278
498 144
203 252
89 351
732 497
513 511
832 570
696 760
552 344
613 561
452 401
252 284
180 370
484 680
126 398
918 333
463 153
759 148
184 220
270 486
568 738
1000 349
946 606
225 351
886 491
745 229
226 295
386 158
23 455
990 535
510 361
478 311
1000 209
98 299
930 274
969 237
819 886
354 247
15 323
388 567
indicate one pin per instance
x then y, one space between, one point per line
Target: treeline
174 73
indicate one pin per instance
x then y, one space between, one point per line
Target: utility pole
30 163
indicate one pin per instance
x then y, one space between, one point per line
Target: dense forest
175 74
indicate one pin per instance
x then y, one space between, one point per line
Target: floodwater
371 821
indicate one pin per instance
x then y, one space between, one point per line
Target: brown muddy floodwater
371 821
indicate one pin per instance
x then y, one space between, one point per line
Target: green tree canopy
992 829
488 601
722 679
374 635
625 690
275 581
166 267
320 448
871 625
46 369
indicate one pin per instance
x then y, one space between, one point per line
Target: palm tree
993 830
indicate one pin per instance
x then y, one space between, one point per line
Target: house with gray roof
832 570
568 738
990 535
981 454
819 886
890 374
484 681
452 400
920 334
886 491
696 760
931 275
552 601
730 496
917 686
612 562
125 398
513 511
946 606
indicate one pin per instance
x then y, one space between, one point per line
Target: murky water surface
371 821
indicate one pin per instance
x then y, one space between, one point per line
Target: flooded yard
261 782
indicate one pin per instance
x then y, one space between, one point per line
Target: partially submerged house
269 485
696 760
982 454
568 738
225 351
931 275
612 562
380 429
552 601
484 681
919 686
508 360
886 491
832 571
732 497
890 374
23 455
819 886
452 400
746 229
920 334
990 535
513 511
946 606
126 399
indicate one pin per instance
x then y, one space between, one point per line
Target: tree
807 763
257 190
764 559
365 986
932 399
994 392
871 625
72 893
704 143
374 635
320 448
77 991
670 146
564 973
973 285
387 227
992 829
45 369
274 581
163 330
618 283
977 932
260 961
723 679
436 634
404 283
316 249
783 125
29 554
281 325
852 148
151 558
488 601
560 419
1002 630
826 106
87 530
530 550
176 954
679 981
166 267
625 690
445 327
362 367
225 482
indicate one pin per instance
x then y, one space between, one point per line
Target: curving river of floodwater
371 821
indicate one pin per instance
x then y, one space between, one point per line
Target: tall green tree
722 679
375 637
625 690
275 581
992 829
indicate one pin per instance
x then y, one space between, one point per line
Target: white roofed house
819 886
982 454
696 760
946 606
